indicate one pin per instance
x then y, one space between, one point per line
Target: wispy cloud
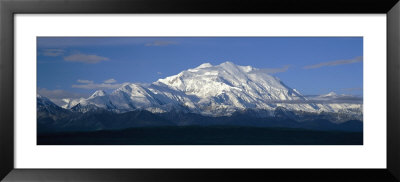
63 42
160 43
98 86
352 89
111 80
272 70
53 52
318 99
330 99
85 58
89 84
335 63
58 95
84 81
159 73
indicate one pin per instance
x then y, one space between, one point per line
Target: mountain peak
231 67
204 65
44 101
331 94
38 96
227 63
98 93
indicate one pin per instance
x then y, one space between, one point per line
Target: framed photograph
202 91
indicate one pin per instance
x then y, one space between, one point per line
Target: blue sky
76 66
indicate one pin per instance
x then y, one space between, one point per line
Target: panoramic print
199 91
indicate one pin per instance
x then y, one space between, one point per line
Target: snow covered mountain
219 90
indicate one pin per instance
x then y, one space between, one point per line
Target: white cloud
85 58
51 42
84 81
271 70
107 84
53 52
335 63
111 80
98 86
159 73
352 89
160 43
355 90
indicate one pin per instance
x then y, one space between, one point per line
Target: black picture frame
9 8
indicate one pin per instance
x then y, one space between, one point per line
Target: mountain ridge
213 91
52 118
219 90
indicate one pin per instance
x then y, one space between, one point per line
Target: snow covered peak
98 93
204 65
228 66
234 69
227 63
44 101
230 85
246 69
42 98
330 94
